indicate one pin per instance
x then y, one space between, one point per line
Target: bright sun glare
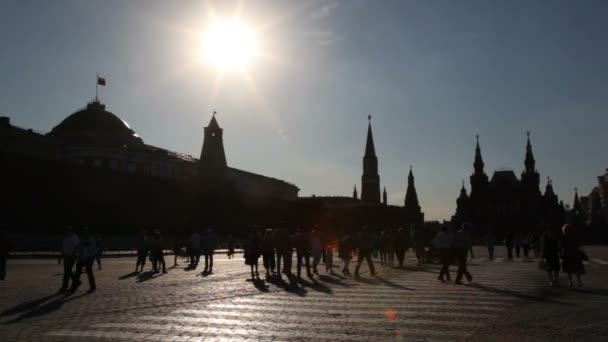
229 45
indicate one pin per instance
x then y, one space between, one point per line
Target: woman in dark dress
267 250
550 255
252 253
571 254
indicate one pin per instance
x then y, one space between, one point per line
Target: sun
229 45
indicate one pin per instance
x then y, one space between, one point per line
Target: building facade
505 203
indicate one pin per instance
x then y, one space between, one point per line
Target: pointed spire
478 164
411 197
529 161
355 195
213 123
549 188
384 197
370 151
576 206
463 191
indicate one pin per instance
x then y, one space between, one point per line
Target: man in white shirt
69 250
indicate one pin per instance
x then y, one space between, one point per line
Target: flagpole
96 86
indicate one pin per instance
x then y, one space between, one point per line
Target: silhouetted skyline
432 73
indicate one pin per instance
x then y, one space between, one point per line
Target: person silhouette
87 251
5 246
302 243
142 251
69 252
364 251
462 244
209 243
443 243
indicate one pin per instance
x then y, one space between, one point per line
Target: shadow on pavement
599 292
540 299
26 306
332 280
128 275
145 276
391 284
47 308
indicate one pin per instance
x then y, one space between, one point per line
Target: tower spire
212 153
384 197
370 180
355 195
529 161
478 164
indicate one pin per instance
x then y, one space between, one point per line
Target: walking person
420 245
195 249
157 253
345 252
142 251
87 251
302 244
462 244
252 253
551 248
490 239
509 241
315 250
572 255
209 243
268 253
401 245
526 243
443 243
98 250
364 251
329 249
177 249
230 247
5 247
69 251
283 247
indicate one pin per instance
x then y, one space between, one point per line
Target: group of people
558 250
80 251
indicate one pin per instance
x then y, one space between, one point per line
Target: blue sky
432 73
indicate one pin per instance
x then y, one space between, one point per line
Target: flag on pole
101 81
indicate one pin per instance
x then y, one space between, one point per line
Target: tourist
526 243
302 244
195 249
177 249
157 253
87 251
550 255
572 254
69 251
490 239
5 246
345 252
382 248
209 243
329 249
267 250
443 243
98 250
509 241
364 250
230 247
252 253
401 244
420 245
315 250
462 244
282 246
142 251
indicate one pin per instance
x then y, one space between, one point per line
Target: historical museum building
505 203
93 166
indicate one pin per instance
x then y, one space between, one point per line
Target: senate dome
94 125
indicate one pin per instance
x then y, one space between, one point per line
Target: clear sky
432 73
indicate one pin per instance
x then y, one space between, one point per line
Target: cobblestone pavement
407 304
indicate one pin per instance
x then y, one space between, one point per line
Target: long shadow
294 287
391 284
260 284
599 292
47 308
26 306
315 285
332 280
515 294
145 276
366 281
128 275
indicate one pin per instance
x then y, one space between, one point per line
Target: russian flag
101 81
